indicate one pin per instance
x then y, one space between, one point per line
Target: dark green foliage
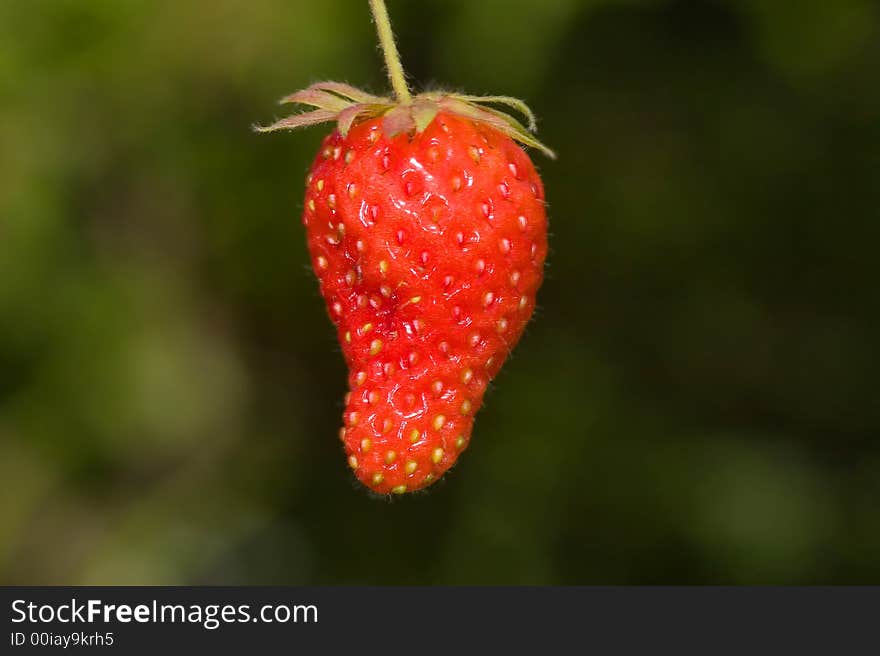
696 400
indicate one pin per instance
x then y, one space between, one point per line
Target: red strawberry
427 231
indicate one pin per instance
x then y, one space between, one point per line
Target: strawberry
427 231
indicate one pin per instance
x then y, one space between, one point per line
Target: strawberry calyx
404 113
348 105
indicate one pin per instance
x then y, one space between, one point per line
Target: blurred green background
695 401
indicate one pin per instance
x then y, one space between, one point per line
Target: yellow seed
439 420
415 299
320 185
387 425
399 489
367 327
465 407
375 346
436 455
501 326
414 435
342 433
429 478
353 418
366 444
474 153
411 466
466 376
361 378
353 461
383 266
348 336
312 204
459 442
331 200
390 457
352 190
378 477
349 157
321 262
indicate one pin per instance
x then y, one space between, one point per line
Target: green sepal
347 105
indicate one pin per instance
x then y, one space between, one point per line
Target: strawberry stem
389 49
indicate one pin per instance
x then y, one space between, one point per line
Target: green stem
389 49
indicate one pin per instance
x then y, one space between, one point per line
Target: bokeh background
695 401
